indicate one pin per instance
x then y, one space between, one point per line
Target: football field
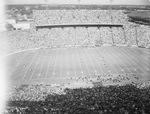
57 65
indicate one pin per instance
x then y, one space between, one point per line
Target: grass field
57 65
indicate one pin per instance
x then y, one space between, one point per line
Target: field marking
46 63
97 62
137 53
29 61
108 51
21 68
37 63
90 60
85 62
100 49
73 63
17 60
18 63
96 58
30 64
81 54
82 63
55 63
143 63
17 72
21 51
141 56
147 51
125 55
132 61
61 61
79 61
104 53
41 66
68 63
49 60
135 59
99 54
126 61
122 60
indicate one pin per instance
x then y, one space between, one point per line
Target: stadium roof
97 2
79 24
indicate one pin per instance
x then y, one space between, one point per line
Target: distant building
11 21
22 25
19 24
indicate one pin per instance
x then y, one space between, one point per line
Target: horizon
78 2
84 4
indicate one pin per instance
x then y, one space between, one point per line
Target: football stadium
79 59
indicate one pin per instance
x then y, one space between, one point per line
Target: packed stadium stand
59 29
103 31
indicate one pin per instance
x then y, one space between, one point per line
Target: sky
127 2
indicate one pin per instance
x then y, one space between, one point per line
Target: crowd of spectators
38 92
44 99
80 36
143 37
129 34
43 17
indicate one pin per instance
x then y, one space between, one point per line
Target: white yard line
21 60
127 59
108 51
21 51
120 58
72 57
68 73
30 65
135 53
145 50
40 74
121 53
90 60
138 61
55 63
97 60
104 52
85 62
61 60
79 61
49 60
133 62
37 63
